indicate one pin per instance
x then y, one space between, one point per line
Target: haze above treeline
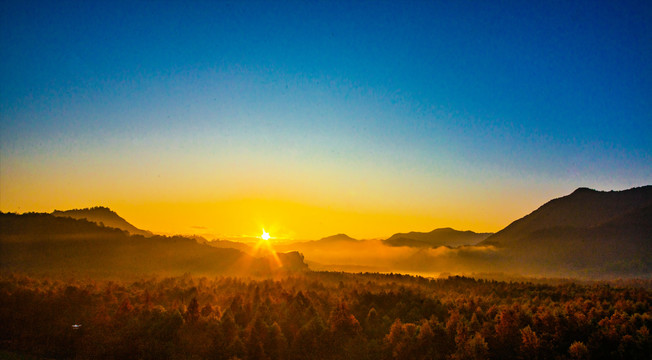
586 234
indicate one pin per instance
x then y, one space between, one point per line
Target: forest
322 315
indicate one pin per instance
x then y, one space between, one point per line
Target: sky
315 118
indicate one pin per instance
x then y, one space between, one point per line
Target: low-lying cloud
373 255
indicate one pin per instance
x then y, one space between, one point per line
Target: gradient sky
314 118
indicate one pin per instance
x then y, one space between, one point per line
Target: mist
374 256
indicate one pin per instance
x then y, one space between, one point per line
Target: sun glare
265 235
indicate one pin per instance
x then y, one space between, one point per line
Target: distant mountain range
103 216
438 237
587 233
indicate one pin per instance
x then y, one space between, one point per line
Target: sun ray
265 243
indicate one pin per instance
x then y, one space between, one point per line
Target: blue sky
409 105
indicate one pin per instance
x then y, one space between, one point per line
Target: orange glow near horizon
296 200
264 247
229 133
289 220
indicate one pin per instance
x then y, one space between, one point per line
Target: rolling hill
337 238
227 244
104 216
438 237
325 243
45 243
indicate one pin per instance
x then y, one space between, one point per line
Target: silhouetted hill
336 238
45 243
589 232
584 208
438 237
230 245
325 244
104 216
37 227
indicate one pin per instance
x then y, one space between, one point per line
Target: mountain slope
584 208
102 215
227 244
438 237
588 232
45 243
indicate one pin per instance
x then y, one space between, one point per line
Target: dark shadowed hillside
590 232
229 245
337 238
438 237
325 243
102 215
49 244
584 208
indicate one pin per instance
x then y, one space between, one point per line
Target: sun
264 247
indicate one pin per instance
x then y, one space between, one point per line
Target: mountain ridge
586 233
336 238
438 237
104 216
583 208
46 243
